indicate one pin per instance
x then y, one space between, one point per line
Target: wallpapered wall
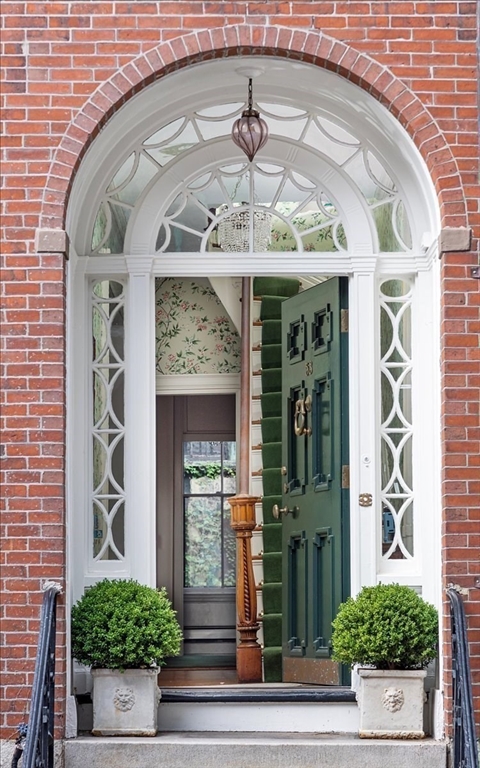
193 331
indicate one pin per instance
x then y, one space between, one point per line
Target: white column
140 420
78 375
364 386
427 434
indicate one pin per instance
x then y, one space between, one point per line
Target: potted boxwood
124 630
391 633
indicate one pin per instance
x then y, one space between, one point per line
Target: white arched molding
199 87
205 85
145 222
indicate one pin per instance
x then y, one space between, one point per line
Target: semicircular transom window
259 206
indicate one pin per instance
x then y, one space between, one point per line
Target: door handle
277 511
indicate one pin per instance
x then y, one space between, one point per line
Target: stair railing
39 752
464 747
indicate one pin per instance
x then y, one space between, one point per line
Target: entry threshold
261 693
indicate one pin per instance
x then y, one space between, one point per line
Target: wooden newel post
249 653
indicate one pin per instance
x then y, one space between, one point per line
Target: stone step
251 708
252 750
294 707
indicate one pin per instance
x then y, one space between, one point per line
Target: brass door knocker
299 417
302 407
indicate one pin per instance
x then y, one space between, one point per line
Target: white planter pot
125 703
391 703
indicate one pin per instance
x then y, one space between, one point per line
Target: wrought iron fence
464 748
38 752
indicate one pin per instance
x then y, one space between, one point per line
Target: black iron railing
464 747
38 752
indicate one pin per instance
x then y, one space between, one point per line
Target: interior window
209 478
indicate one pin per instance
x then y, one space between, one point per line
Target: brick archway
309 47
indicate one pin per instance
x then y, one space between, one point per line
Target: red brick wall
461 444
417 57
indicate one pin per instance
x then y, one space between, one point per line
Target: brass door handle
277 511
299 418
302 407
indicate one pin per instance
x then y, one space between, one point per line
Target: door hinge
344 320
345 476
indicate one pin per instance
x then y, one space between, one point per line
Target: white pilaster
427 434
140 420
364 478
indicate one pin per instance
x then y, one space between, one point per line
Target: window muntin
209 478
183 230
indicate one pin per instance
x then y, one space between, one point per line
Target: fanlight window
216 212
252 206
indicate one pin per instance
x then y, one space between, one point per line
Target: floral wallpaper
282 238
193 332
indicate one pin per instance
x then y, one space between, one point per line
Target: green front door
314 512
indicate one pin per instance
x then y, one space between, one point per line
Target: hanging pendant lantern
250 132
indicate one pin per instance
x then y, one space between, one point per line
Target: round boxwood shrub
387 626
121 624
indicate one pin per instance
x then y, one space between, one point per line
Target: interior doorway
196 473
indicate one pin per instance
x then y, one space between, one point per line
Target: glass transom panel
259 206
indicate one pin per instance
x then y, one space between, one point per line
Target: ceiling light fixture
250 132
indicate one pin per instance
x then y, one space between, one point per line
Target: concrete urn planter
125 703
391 703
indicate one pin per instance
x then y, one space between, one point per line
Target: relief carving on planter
393 699
123 699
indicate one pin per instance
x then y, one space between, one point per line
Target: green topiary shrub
124 625
388 627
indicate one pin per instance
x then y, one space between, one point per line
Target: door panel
298 598
315 433
323 575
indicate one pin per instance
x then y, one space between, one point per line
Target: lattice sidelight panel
108 420
396 419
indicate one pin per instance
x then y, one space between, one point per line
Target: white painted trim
149 211
427 415
140 539
203 85
363 366
262 264
197 384
74 373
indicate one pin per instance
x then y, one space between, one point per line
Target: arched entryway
338 190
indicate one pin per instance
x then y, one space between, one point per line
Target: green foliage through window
212 470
